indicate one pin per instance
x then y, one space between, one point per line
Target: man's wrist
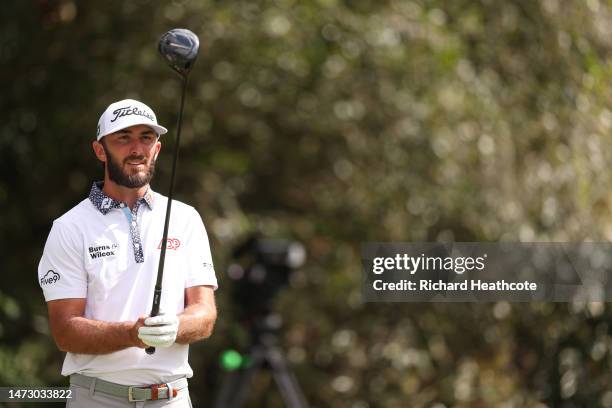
132 331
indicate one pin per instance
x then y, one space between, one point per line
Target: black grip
154 312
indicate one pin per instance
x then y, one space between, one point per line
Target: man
99 268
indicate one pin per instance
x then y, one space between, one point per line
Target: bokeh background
334 122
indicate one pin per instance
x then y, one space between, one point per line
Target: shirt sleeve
200 264
61 271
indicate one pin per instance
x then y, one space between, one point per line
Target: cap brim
160 130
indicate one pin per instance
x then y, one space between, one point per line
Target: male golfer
99 268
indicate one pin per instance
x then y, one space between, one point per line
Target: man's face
130 155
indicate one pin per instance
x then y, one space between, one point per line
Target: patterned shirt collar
104 203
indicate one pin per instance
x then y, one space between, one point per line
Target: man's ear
157 149
99 151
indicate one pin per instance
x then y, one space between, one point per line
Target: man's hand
134 332
159 331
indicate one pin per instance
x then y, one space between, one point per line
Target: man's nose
137 148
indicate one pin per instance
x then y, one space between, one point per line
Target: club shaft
162 255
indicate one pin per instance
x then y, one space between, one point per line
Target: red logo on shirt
171 243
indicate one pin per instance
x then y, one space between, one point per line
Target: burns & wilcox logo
101 251
50 277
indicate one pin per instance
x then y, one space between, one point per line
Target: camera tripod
264 354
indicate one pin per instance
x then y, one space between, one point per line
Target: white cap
126 113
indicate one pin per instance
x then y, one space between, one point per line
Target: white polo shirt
103 251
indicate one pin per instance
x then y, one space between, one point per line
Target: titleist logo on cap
128 110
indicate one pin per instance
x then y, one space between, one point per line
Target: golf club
180 48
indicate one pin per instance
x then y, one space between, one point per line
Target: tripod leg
285 380
235 388
231 383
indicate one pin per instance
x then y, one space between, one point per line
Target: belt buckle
131 395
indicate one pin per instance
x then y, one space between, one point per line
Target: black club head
180 48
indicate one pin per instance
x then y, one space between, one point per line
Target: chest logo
101 251
171 243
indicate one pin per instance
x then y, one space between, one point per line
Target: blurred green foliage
335 122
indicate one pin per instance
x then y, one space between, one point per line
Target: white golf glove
159 331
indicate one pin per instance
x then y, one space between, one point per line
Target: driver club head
180 48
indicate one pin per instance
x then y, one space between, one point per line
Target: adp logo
50 277
171 243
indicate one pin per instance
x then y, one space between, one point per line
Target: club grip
154 312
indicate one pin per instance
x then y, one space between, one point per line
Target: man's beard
116 173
